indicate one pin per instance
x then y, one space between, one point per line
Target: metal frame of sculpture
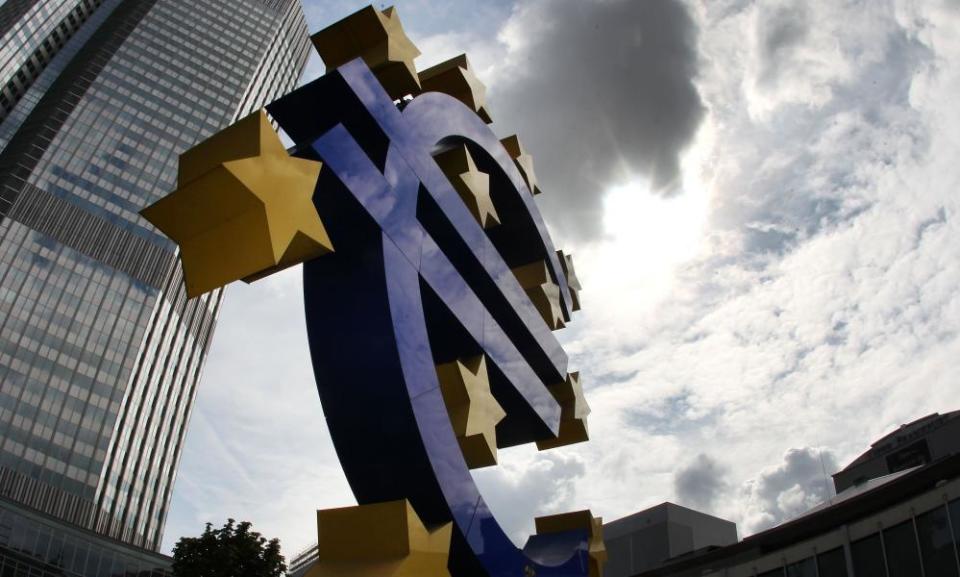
431 288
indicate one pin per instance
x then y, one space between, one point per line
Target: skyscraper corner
100 348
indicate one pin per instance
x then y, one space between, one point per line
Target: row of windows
286 58
31 28
57 65
32 548
79 171
43 53
927 545
76 399
128 157
141 469
97 353
32 436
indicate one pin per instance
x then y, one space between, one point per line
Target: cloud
803 52
258 448
819 287
526 485
821 85
600 91
621 74
700 483
780 493
781 28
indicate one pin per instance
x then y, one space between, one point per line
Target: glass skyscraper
100 350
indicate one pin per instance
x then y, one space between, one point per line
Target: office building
299 564
898 516
902 525
649 538
100 351
928 439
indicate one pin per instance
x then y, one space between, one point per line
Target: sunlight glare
647 237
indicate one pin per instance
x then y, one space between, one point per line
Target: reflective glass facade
100 351
33 546
34 31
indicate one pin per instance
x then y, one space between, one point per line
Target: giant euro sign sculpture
431 288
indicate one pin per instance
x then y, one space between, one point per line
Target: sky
761 201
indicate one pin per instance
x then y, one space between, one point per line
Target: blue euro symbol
416 282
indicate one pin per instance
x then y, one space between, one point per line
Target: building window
805 568
833 563
867 557
936 543
911 456
773 573
900 542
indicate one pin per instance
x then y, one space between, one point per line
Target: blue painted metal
415 282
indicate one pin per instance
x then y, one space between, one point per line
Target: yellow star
573 414
377 37
380 540
543 292
243 208
456 78
573 283
579 520
523 161
474 412
472 185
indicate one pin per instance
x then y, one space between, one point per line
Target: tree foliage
231 551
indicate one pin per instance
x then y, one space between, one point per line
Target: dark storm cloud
600 91
700 483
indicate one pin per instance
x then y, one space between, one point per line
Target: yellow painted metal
523 161
456 78
474 412
579 520
573 413
377 37
243 208
472 185
573 283
380 540
543 292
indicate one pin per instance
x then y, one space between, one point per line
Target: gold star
456 78
573 414
573 283
243 208
579 520
543 292
380 540
474 412
523 161
472 185
377 37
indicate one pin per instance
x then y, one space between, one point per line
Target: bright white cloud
258 447
794 486
526 484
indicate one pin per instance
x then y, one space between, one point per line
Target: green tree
232 551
